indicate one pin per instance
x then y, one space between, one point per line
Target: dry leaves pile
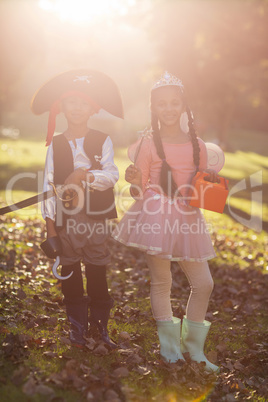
38 363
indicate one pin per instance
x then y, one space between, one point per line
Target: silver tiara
168 79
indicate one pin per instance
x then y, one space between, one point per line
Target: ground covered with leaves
37 362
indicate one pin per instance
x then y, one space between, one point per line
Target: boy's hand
133 175
78 175
74 183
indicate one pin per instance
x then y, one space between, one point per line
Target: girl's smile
168 106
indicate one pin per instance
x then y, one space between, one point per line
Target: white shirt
103 179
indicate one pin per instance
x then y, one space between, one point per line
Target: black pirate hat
95 85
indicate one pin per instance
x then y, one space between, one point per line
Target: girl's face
168 105
76 110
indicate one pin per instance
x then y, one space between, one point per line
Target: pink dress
170 229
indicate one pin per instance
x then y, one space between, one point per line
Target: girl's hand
213 177
133 175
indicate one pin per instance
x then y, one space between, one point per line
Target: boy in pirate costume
81 159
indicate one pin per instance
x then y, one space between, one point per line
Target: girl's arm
138 174
133 175
212 175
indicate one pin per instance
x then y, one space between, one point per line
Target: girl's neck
173 135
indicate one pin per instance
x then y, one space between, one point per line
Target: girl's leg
168 327
201 283
161 281
194 327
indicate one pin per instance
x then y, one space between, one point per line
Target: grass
29 157
156 386
238 248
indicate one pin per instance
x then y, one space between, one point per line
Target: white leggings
200 281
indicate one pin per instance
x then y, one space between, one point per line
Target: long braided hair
166 179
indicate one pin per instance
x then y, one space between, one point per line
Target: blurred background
217 47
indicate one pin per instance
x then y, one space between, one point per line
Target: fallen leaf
222 347
50 354
111 395
124 335
230 398
19 375
44 390
212 356
21 294
143 370
65 340
100 350
134 359
90 343
90 396
29 387
121 372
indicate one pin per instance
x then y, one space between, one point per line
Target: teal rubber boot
169 338
193 340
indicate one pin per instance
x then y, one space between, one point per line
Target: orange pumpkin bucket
207 195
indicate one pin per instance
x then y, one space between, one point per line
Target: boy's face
76 110
168 105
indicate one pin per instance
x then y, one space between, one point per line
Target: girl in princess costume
161 223
81 159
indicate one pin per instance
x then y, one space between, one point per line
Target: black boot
99 316
77 313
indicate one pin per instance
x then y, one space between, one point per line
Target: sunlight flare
86 11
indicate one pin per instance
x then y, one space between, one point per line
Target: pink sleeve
203 155
144 160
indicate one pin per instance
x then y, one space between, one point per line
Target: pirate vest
97 204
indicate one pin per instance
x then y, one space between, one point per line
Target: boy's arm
48 207
109 175
51 231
